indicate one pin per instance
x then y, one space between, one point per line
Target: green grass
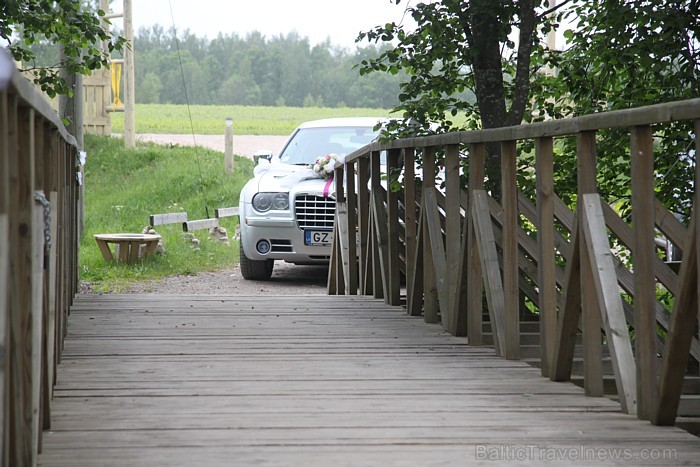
247 120
123 187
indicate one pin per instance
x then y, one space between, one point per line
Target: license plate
318 238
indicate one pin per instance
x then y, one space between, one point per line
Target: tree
280 69
78 30
239 90
620 54
629 54
150 90
464 45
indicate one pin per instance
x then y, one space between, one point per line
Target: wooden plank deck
153 380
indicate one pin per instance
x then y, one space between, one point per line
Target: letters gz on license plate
318 238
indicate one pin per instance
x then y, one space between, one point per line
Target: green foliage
27 23
239 90
247 120
124 187
464 69
625 55
462 60
150 90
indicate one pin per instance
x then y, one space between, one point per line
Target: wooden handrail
39 245
567 270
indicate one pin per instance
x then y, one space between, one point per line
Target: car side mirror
262 154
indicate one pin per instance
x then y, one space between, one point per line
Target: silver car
287 210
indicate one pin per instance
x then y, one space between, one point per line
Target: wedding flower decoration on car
325 165
289 205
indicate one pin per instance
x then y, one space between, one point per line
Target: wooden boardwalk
154 380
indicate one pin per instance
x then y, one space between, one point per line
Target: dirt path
244 145
287 279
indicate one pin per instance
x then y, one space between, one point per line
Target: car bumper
286 242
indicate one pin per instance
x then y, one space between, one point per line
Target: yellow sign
116 81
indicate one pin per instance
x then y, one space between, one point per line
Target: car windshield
308 144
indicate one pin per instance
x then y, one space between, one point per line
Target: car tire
255 270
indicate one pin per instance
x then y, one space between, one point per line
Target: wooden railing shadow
38 259
459 247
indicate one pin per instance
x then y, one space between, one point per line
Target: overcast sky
339 20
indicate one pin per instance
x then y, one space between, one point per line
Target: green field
247 120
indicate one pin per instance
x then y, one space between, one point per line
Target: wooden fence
97 98
459 245
38 259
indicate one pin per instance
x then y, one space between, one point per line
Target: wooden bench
129 245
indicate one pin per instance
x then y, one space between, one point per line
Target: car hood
281 177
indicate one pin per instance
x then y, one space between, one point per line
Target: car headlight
263 202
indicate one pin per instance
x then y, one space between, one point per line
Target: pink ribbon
327 187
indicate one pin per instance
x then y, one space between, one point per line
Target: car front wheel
256 270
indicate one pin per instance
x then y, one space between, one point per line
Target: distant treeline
256 70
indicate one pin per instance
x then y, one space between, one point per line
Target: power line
189 113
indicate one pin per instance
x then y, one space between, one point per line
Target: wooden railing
459 245
38 259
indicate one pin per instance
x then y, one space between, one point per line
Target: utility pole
129 86
552 34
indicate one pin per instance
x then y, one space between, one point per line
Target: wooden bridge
316 380
402 363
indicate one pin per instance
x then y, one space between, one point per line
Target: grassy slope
123 187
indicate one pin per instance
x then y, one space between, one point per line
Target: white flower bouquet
325 165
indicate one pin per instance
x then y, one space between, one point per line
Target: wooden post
430 295
644 253
393 274
378 280
591 320
228 146
25 296
351 284
456 320
509 194
4 278
129 87
50 317
544 149
340 234
475 305
363 223
409 177
331 286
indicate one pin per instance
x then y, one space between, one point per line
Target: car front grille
314 212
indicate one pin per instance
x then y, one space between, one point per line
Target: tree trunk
482 26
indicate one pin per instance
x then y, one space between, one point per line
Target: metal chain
41 199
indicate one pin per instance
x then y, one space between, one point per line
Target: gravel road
244 145
286 278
